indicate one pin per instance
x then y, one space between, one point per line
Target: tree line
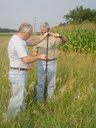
7 30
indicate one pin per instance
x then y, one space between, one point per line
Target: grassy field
74 104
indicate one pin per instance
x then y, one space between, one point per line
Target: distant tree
62 24
80 14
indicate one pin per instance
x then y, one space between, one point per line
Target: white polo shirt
17 49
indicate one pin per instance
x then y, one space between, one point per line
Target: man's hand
34 53
46 34
43 57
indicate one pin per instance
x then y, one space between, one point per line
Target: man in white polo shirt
19 64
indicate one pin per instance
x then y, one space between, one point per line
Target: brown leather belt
50 59
21 69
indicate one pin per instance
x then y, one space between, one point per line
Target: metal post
46 71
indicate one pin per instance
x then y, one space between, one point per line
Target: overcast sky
14 12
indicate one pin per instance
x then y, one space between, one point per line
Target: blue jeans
18 81
51 78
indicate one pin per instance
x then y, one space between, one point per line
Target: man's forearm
37 40
34 42
30 59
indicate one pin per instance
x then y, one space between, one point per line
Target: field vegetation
74 104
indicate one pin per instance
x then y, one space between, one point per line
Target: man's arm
57 35
30 59
37 40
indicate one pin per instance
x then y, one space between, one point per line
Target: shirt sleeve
21 49
58 41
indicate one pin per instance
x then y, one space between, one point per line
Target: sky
14 12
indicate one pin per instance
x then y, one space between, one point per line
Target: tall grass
74 104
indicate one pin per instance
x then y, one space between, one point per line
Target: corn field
81 38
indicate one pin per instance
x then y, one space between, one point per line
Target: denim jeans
18 81
51 78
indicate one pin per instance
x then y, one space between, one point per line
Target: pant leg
41 81
18 80
52 70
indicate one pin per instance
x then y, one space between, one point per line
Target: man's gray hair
45 24
25 27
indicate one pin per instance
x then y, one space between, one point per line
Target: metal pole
35 24
46 71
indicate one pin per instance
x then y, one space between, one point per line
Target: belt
50 59
21 69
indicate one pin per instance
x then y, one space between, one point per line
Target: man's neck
20 35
